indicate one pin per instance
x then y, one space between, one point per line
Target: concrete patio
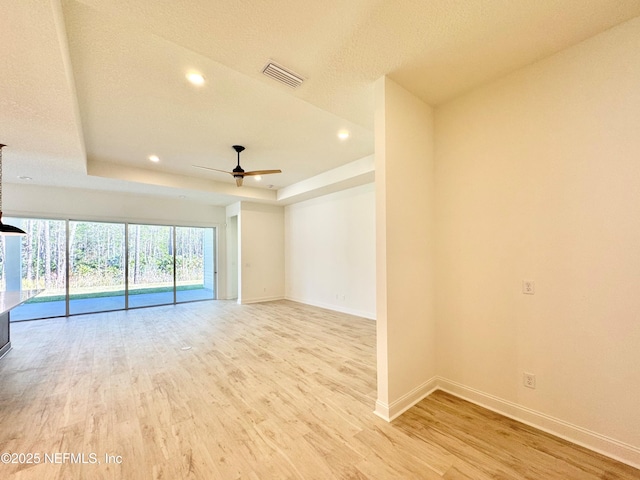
57 308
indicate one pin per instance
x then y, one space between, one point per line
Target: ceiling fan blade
238 173
213 169
262 172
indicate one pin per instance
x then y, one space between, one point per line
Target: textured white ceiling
91 88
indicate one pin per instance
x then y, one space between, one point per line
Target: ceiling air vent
282 75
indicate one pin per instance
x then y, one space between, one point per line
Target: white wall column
404 250
209 259
233 251
260 250
13 262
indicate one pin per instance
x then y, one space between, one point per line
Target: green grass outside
113 293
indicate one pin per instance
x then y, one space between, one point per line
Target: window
150 265
96 267
37 261
195 275
111 266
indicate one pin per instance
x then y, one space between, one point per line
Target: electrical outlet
529 380
528 287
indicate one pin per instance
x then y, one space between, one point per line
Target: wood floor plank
216 390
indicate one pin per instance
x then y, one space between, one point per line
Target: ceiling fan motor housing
238 172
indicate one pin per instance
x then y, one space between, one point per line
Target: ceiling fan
238 173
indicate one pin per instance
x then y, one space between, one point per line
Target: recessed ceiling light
258 178
195 78
343 134
154 158
182 196
24 177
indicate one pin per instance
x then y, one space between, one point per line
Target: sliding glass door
82 266
96 267
195 275
36 261
150 265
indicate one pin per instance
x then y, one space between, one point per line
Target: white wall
404 253
330 251
538 177
34 200
261 252
232 257
210 260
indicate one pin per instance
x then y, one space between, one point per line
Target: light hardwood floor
216 390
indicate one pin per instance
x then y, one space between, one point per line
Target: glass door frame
214 266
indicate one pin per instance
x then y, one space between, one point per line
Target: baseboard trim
396 408
335 308
602 444
260 300
609 447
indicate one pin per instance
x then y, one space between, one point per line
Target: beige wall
538 177
404 251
